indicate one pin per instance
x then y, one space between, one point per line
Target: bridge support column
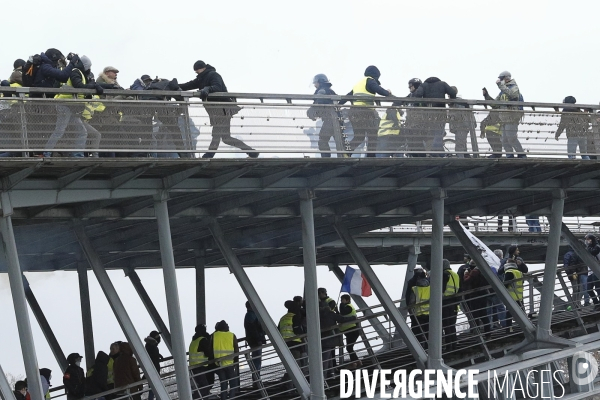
435 360
121 314
184 389
315 355
5 389
59 355
516 311
360 303
152 311
200 288
281 347
9 248
409 338
86 314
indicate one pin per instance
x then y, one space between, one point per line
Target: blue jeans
510 140
533 222
63 120
496 311
228 377
580 289
257 358
572 144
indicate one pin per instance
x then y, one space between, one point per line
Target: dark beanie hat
372 71
201 328
512 249
18 63
199 64
570 99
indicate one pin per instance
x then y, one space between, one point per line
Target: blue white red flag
355 283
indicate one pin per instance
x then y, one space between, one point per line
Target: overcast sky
277 47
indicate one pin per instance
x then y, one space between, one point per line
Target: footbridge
158 206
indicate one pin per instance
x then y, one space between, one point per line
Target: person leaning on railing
576 124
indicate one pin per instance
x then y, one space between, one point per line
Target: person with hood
70 114
363 117
114 353
593 247
418 303
53 71
577 272
20 390
434 88
74 377
224 344
45 377
450 287
329 116
126 370
513 281
415 119
141 83
509 91
16 77
576 123
209 81
255 336
97 375
152 342
330 335
199 352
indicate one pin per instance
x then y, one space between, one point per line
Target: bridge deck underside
257 204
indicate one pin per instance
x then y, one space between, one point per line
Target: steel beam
86 315
121 314
361 304
516 311
9 248
434 360
149 304
184 388
5 389
281 347
315 354
409 338
200 288
59 355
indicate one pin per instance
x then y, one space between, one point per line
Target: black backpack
30 70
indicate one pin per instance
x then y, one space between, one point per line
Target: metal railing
482 330
282 125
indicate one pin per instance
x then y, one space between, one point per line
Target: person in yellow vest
513 280
290 325
363 117
350 329
199 352
224 345
388 135
70 114
112 356
418 301
322 292
450 287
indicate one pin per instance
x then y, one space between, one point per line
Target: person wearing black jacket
328 115
20 390
593 286
209 81
434 88
152 342
255 336
96 381
74 377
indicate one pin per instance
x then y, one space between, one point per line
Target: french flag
355 283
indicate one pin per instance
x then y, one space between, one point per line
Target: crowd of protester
419 133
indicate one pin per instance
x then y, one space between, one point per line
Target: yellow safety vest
196 357
453 283
360 89
515 288
329 300
111 372
223 347
422 294
69 83
286 328
48 397
349 325
92 107
386 126
494 129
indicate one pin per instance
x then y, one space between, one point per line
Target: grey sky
276 47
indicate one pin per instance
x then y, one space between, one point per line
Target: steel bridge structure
290 207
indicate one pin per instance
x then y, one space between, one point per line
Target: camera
70 56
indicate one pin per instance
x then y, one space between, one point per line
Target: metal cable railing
289 126
482 333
